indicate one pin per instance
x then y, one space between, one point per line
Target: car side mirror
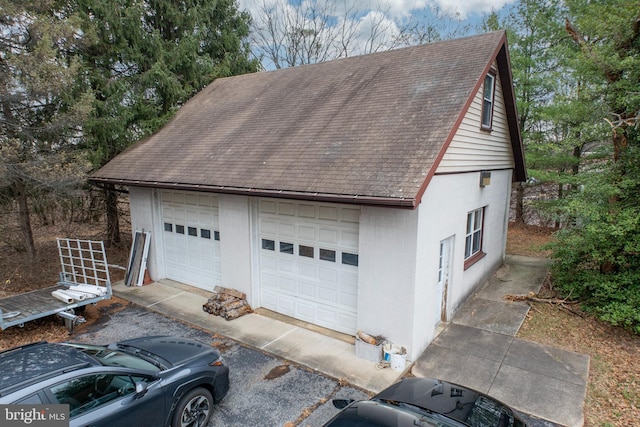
141 389
342 403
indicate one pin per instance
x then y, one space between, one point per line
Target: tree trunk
113 216
519 209
24 218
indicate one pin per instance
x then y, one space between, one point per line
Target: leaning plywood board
138 258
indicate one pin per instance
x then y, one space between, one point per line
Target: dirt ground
613 391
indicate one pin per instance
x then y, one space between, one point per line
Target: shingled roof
368 129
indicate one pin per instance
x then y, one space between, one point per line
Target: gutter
404 203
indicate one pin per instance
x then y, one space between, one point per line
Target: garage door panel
286 305
305 311
349 239
327 295
286 208
308 240
347 321
327 236
348 299
205 218
269 227
192 255
307 270
269 263
326 317
287 286
269 281
287 230
287 265
349 278
328 213
327 275
306 232
205 201
306 290
306 210
351 215
192 217
269 300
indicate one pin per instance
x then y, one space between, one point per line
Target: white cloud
369 25
470 7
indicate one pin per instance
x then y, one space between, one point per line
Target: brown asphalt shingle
370 126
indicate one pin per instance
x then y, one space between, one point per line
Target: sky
385 18
467 9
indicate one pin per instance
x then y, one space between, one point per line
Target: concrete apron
478 349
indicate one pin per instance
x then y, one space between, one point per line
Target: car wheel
194 409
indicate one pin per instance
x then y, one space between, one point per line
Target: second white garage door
309 262
191 238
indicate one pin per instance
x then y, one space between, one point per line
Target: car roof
34 362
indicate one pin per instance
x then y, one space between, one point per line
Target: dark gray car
147 381
425 402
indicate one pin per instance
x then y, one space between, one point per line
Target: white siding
460 193
386 280
235 244
473 149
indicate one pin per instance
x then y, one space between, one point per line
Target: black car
425 402
148 381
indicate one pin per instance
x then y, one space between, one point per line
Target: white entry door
444 273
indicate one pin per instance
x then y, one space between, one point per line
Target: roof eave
504 68
394 202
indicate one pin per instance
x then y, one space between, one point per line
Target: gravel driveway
265 390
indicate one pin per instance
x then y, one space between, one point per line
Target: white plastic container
396 356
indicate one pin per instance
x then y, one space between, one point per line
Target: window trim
479 254
490 75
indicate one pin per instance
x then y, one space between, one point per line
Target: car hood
367 413
174 350
452 400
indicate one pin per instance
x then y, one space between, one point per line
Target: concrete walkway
477 349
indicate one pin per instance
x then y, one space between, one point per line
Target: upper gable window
488 93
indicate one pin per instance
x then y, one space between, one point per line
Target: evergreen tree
597 255
146 58
41 108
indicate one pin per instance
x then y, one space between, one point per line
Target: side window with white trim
488 94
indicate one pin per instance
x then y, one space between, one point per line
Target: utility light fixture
485 179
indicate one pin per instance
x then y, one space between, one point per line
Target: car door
110 399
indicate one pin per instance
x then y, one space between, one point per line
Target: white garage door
309 262
191 238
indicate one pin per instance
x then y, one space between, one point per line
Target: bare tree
430 26
286 35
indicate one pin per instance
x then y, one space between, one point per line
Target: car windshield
427 417
380 413
483 412
108 357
